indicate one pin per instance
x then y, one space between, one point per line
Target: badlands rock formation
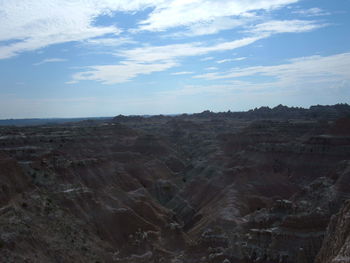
267 185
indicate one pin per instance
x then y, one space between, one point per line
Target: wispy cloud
138 59
182 73
299 71
211 68
110 42
206 58
212 26
50 60
187 13
148 59
124 72
34 24
168 52
230 60
305 75
285 26
315 11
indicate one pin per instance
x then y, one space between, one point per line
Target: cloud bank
27 25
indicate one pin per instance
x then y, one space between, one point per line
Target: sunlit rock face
336 244
268 185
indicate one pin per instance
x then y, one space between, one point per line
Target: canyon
266 185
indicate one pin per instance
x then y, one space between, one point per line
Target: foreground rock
336 245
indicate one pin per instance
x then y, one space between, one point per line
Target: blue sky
78 58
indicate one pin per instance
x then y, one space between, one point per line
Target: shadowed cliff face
191 188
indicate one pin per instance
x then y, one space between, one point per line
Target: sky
91 58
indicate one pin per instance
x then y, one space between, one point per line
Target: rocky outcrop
336 244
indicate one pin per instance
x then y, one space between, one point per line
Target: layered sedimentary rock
227 187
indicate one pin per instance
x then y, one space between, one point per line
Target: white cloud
168 52
260 31
229 88
285 26
123 72
148 59
326 77
186 13
27 25
137 60
212 26
112 42
298 72
224 60
211 68
50 60
240 59
182 73
206 58
315 11
230 60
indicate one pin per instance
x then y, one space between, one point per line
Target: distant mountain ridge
279 112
